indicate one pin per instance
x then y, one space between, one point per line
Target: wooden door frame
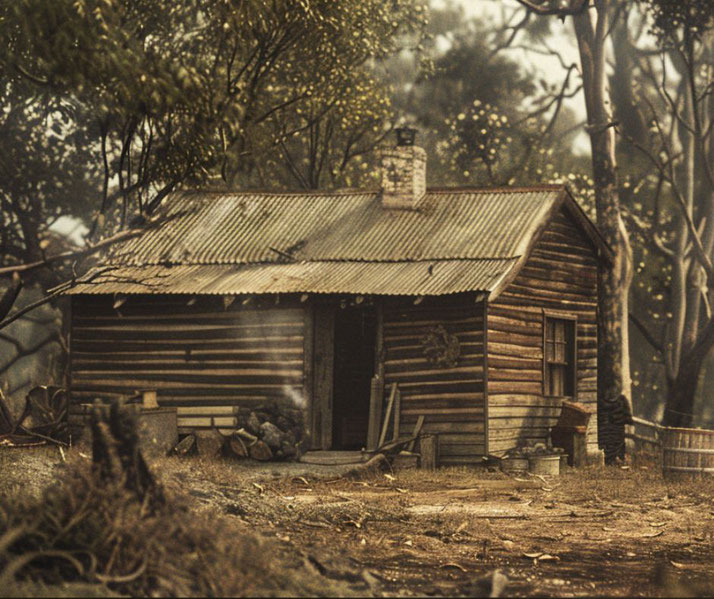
323 326
319 364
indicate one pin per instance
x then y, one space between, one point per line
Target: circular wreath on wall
440 347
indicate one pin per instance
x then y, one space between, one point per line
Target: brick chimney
403 172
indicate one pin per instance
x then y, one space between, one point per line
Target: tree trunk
613 279
681 392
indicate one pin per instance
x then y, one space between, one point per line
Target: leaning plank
375 411
388 415
397 410
415 433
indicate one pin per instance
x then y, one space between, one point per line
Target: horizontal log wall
451 399
205 359
560 275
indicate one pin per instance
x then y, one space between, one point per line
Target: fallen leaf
679 565
624 467
652 535
454 565
630 554
533 555
508 544
389 477
461 527
658 524
608 528
259 487
400 490
546 557
302 479
409 542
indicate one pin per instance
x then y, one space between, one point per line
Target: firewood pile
271 431
42 420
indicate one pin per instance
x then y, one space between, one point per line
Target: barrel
688 451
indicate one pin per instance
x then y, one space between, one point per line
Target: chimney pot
405 136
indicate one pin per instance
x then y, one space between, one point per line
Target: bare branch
73 254
645 333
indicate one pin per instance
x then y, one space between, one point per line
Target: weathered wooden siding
451 399
560 275
203 358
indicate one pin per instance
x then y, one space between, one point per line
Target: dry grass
101 537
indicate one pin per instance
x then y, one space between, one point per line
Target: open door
355 335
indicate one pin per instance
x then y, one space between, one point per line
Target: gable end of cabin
542 339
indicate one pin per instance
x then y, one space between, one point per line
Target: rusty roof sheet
244 228
379 278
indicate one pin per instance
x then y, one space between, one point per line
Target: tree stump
115 450
429 450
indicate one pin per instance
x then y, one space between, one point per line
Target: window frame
572 318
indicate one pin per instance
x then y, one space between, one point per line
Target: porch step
333 458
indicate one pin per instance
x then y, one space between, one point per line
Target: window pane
558 380
559 351
559 357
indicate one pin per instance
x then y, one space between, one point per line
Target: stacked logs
271 431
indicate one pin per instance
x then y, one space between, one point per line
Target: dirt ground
596 531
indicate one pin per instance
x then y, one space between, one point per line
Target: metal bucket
544 464
514 464
688 451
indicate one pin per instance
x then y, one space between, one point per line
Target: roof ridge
306 192
368 191
498 189
461 258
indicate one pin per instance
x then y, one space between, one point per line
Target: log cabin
479 304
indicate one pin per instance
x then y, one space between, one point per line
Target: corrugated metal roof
241 228
343 242
378 278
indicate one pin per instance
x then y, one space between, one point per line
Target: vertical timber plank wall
452 398
204 359
324 363
560 275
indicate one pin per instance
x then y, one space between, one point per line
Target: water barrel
688 451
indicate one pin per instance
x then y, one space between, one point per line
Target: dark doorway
355 341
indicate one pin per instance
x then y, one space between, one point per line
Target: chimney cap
405 136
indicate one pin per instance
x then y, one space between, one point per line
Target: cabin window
559 357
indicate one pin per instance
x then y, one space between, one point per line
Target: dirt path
594 532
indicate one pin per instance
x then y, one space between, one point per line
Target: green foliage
172 93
